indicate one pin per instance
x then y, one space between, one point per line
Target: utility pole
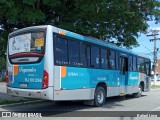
154 33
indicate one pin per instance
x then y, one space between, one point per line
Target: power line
154 33
146 47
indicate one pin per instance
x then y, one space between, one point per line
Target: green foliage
3 79
5 102
104 19
155 86
2 64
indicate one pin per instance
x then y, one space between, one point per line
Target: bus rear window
27 42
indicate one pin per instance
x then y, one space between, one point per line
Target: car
152 77
157 77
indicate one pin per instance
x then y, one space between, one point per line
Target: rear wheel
139 93
99 97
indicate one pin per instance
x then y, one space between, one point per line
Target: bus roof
29 28
80 37
97 41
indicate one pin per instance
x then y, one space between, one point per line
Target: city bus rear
27 75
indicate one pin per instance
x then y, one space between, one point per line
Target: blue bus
50 63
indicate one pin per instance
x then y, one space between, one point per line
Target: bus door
123 74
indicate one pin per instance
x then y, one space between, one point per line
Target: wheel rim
100 97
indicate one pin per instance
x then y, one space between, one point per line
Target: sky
146 47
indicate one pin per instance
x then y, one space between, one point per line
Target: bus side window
85 55
112 58
134 63
61 55
147 67
141 65
130 63
104 58
73 51
95 57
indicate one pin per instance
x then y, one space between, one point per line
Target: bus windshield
27 42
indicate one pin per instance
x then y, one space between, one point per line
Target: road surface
149 102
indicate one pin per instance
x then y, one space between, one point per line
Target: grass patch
155 86
3 79
4 102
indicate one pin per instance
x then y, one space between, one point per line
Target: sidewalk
157 82
5 97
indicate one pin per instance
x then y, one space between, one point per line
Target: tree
2 46
2 64
105 19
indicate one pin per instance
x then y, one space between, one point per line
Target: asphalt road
149 103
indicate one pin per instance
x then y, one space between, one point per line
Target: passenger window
134 64
104 58
112 58
73 51
141 65
85 55
147 67
95 57
61 56
130 63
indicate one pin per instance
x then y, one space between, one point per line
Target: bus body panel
76 83
30 85
76 78
80 83
26 76
49 64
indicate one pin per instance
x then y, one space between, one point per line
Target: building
158 67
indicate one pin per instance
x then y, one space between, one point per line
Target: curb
21 103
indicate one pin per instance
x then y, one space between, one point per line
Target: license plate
23 85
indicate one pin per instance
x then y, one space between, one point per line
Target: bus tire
139 93
99 96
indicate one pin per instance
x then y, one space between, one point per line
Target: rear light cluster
7 80
45 80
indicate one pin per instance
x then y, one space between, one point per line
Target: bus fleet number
33 80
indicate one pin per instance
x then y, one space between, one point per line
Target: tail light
7 80
45 80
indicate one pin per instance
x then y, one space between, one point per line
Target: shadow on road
68 108
6 97
113 102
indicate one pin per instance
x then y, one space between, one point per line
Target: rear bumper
50 94
30 93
